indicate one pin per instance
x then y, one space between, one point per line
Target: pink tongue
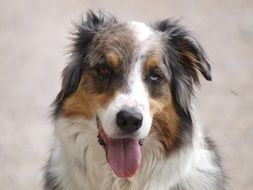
124 156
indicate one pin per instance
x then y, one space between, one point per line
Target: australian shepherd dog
124 118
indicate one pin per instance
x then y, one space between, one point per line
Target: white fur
80 162
141 30
137 95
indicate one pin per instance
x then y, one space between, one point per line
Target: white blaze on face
137 96
141 30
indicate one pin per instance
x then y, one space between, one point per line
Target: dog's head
136 80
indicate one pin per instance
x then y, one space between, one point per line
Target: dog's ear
187 48
186 58
81 39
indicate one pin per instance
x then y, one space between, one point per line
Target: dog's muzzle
122 154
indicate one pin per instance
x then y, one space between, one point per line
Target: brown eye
103 71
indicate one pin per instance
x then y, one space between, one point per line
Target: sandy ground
33 41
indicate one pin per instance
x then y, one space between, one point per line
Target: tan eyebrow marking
151 62
113 60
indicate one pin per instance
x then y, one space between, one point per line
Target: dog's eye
154 78
103 71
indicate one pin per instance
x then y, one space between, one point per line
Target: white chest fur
79 162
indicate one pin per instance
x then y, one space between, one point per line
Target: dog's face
135 80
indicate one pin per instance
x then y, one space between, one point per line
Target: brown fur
165 122
116 43
113 60
152 62
192 59
84 103
114 46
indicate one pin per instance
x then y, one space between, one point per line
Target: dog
124 117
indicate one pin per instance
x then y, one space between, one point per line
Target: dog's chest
84 160
147 178
95 173
152 174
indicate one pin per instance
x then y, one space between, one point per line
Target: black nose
129 120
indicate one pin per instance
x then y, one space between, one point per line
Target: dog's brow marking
113 59
152 61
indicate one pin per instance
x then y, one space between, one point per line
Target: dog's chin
122 154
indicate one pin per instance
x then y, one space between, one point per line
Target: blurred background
33 39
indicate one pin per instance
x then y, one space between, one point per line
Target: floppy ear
186 60
81 37
188 48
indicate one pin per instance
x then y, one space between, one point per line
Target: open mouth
123 155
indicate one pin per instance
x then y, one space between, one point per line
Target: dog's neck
81 161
